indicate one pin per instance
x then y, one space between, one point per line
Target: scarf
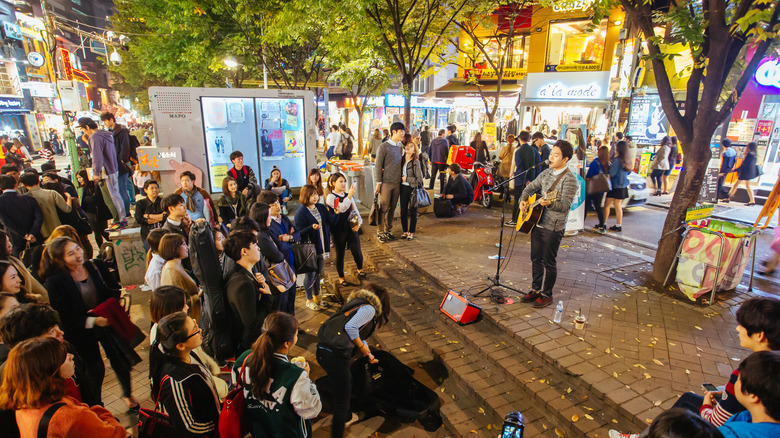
190 197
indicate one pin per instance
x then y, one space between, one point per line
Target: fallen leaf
658 362
615 374
697 327
568 390
647 376
607 351
614 421
574 418
559 433
481 411
473 431
489 426
544 426
588 417
403 350
687 371
587 408
658 403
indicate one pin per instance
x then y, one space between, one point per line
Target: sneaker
543 301
114 227
602 230
617 228
615 434
511 224
382 238
312 305
389 236
532 295
410 236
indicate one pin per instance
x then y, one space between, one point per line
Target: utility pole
68 137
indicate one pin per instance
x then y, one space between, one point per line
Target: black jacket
189 398
146 206
123 148
20 215
248 307
65 298
460 189
92 202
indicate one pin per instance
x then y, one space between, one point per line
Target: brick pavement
639 350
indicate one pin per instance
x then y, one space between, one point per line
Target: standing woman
619 168
366 310
661 164
674 152
96 209
170 299
349 222
268 372
173 249
599 165
480 149
35 378
47 153
746 171
411 178
374 143
75 288
313 222
185 385
315 179
347 143
233 204
506 155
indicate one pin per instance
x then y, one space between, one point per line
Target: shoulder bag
598 184
153 423
232 419
305 256
420 197
43 425
282 276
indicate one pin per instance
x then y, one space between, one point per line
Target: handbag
232 419
373 215
420 198
155 424
282 276
600 183
305 256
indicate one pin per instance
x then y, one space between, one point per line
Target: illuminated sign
490 74
768 74
580 86
70 72
10 104
397 100
573 5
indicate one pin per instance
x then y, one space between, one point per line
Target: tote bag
232 419
305 256
155 424
282 276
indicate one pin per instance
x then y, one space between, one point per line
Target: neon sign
574 5
70 72
768 74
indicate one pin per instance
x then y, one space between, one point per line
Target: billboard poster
647 122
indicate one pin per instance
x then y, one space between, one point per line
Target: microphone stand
494 282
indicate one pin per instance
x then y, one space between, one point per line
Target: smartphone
709 387
512 431
354 183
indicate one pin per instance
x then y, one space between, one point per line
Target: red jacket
72 420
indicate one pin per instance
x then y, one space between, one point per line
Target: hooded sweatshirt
103 152
741 426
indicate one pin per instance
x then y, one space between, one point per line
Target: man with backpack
244 176
345 148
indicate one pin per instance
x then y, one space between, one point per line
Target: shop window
576 46
516 52
420 85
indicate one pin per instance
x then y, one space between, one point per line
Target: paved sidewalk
640 349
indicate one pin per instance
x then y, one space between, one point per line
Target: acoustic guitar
527 219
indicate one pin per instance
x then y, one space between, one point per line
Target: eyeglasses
197 332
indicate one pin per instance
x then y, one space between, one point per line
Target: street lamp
231 62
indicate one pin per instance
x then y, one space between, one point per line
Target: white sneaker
355 418
615 434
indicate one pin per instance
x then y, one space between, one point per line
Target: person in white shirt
334 138
155 265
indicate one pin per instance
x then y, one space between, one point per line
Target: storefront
572 98
424 109
757 118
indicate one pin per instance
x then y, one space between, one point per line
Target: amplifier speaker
459 309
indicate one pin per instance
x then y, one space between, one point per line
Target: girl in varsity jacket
281 399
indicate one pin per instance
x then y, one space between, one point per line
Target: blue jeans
311 280
122 180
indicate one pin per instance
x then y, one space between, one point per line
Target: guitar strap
557 180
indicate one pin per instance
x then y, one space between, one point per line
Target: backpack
347 148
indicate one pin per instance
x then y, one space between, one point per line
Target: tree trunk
685 196
491 116
360 129
407 90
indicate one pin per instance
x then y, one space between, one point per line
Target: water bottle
558 313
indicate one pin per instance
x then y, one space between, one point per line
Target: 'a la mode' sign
575 86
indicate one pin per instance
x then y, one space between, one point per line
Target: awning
455 89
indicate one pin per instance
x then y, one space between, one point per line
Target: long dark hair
751 148
622 155
171 331
259 213
478 141
85 176
318 185
4 255
279 328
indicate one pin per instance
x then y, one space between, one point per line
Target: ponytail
279 328
171 330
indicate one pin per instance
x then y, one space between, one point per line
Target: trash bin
713 256
130 255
